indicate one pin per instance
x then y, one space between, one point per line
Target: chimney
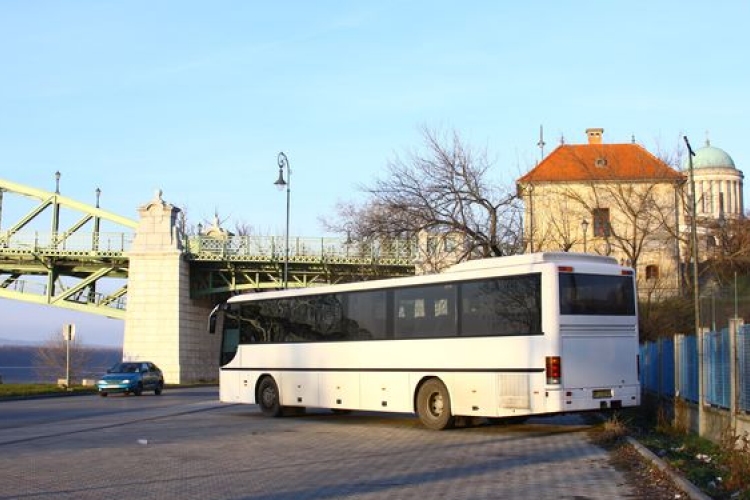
595 135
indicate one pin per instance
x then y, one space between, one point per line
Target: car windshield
125 368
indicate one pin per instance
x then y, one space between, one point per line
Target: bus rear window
596 295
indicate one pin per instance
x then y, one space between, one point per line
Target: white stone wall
163 324
152 321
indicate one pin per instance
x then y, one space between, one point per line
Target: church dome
710 156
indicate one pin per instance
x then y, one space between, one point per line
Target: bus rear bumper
582 399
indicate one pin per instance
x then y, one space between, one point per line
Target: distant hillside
18 363
17 342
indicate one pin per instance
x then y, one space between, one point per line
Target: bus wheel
434 405
268 397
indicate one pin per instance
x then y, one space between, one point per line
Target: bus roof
493 263
530 258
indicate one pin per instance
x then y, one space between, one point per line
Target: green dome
710 156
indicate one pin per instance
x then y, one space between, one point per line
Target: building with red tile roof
611 199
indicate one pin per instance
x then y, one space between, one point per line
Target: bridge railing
202 247
300 249
63 243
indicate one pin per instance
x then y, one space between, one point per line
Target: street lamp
585 226
283 162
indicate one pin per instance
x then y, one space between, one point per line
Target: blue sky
197 98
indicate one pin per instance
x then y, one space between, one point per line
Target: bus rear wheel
434 405
268 397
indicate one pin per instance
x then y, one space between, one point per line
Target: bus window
365 317
425 311
231 336
595 294
502 306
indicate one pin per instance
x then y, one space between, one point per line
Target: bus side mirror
219 309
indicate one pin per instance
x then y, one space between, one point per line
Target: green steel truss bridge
69 254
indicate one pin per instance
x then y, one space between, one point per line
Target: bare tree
243 228
50 359
443 189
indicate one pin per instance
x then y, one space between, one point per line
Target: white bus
502 337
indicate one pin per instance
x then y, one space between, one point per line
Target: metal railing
61 243
300 249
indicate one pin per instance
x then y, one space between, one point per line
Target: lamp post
585 226
283 162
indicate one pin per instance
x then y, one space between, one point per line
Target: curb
689 488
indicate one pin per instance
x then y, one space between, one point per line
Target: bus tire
268 397
434 405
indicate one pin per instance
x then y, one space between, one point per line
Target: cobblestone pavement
204 450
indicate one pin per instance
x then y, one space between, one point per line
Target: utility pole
696 292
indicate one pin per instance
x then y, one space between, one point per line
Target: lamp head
280 182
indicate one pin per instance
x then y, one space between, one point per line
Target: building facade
622 201
610 199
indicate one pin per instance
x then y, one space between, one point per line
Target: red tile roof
601 162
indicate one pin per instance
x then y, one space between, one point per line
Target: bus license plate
602 393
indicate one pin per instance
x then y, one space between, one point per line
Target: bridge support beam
163 324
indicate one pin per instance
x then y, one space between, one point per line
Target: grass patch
26 390
721 470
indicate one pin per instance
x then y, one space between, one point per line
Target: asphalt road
185 444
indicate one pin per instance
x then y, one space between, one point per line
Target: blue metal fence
670 368
687 362
743 367
657 367
716 368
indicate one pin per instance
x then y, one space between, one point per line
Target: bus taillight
553 368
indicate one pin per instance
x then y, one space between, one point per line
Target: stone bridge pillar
163 324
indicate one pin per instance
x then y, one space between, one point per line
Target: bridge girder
219 279
87 271
64 266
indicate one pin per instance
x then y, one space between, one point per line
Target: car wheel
138 390
159 388
103 394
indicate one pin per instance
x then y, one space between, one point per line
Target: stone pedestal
162 323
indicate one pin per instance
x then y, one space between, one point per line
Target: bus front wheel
268 397
434 405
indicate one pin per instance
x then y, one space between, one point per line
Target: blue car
132 377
